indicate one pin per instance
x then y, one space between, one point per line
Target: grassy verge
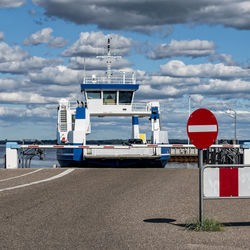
209 225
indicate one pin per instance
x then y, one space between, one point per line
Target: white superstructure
108 96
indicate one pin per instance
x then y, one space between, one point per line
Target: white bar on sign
202 128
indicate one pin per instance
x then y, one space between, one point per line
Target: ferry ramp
113 209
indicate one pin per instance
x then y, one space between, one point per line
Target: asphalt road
114 209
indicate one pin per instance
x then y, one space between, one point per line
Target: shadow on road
236 224
160 220
170 221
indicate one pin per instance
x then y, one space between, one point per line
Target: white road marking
15 177
41 181
202 128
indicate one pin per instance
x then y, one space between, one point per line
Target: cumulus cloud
27 65
32 112
194 48
95 43
16 60
225 89
47 80
207 70
11 54
139 15
59 75
11 3
162 87
160 80
21 97
44 36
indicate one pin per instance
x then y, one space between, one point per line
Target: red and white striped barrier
222 182
126 147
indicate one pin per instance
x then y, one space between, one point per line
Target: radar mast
109 59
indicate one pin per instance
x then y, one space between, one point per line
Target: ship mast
109 59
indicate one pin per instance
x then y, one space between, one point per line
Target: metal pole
235 128
189 112
200 166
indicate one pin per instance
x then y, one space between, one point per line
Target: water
50 160
182 165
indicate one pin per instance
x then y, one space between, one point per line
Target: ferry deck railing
122 79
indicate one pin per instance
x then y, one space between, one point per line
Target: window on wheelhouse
94 94
109 97
125 97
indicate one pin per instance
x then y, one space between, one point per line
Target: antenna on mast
109 58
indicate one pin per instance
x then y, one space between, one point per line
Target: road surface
113 209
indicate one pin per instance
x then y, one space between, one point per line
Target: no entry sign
202 128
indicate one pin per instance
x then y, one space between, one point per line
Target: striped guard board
226 182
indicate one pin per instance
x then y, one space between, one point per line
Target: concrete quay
113 209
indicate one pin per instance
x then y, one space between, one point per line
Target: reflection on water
50 160
182 165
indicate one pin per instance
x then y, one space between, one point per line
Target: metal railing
112 80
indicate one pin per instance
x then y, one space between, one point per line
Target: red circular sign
202 128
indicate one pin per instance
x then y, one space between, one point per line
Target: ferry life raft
109 96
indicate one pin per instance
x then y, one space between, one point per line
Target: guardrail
125 147
12 149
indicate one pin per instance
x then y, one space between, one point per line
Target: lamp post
232 114
189 99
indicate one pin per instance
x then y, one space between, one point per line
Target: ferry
112 96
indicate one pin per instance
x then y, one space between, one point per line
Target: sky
177 48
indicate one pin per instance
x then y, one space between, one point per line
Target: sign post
202 130
200 165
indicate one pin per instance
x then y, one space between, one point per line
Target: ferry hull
66 159
113 163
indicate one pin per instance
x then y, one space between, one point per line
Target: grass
209 225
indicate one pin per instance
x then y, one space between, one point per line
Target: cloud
11 3
27 65
46 80
16 60
171 87
11 54
224 58
8 84
194 48
2 37
30 112
44 36
59 75
92 44
21 97
207 70
140 15
96 64
227 89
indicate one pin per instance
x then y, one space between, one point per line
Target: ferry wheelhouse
110 96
